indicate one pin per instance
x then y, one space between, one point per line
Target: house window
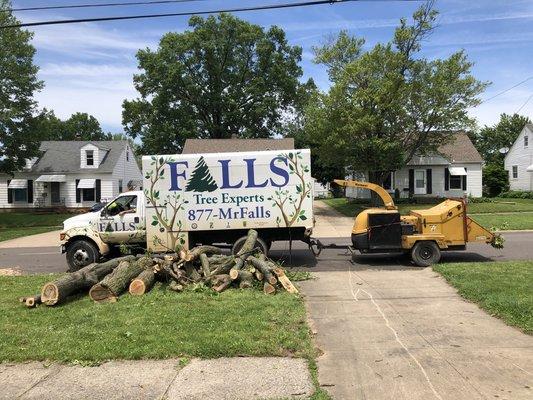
89 154
456 181
387 183
20 195
515 171
120 185
88 194
127 155
526 140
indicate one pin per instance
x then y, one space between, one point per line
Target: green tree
495 179
79 126
491 139
18 84
201 179
389 103
223 77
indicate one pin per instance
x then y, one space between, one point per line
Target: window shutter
9 192
429 181
98 190
446 179
30 190
411 182
78 192
464 180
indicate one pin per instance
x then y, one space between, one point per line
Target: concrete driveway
395 332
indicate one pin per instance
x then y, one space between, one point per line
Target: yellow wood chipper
422 233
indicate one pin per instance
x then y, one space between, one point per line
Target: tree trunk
249 243
192 273
143 283
205 266
284 280
268 288
57 291
33 301
115 283
193 254
221 282
223 266
264 267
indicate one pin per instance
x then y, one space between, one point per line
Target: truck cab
87 237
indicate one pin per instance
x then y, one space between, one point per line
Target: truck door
121 221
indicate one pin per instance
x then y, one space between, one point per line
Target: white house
71 174
519 161
456 171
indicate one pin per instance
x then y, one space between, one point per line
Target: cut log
221 282
249 243
205 266
115 283
192 273
264 267
194 253
57 291
284 280
223 266
241 275
268 288
259 275
33 301
143 283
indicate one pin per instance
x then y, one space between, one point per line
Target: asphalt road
518 246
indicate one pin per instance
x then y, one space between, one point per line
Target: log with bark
143 283
57 291
265 269
33 301
116 282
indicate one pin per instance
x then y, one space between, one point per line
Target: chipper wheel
425 253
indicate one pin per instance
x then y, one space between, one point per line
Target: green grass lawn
485 213
503 289
14 225
160 324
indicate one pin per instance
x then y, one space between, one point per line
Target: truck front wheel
425 253
81 253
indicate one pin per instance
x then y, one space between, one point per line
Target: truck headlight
62 236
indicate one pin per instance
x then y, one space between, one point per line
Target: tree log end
268 288
233 274
101 293
50 294
137 287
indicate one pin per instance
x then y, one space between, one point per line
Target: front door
420 181
121 221
55 192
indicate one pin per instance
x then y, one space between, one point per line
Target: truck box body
211 198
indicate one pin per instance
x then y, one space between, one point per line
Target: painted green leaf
303 217
154 223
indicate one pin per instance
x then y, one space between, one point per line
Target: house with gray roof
454 171
230 145
72 174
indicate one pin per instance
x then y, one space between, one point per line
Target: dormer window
89 156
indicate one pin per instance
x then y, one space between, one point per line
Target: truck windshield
122 204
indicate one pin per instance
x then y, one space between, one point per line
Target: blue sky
89 67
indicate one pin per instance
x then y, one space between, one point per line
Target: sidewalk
222 378
47 239
329 222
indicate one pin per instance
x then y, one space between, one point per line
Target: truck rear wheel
81 253
260 243
425 253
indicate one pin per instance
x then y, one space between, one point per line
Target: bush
517 194
495 179
480 199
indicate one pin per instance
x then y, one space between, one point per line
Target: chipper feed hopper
422 233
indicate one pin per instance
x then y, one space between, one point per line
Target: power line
523 105
128 3
506 90
180 14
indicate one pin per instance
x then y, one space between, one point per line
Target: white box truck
191 199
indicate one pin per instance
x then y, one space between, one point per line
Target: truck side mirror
103 213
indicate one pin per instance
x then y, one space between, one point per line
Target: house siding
401 182
521 157
126 170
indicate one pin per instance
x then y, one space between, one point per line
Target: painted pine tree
201 179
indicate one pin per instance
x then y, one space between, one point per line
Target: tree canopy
79 126
389 103
18 84
223 77
489 140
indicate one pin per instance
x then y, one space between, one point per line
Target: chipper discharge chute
422 233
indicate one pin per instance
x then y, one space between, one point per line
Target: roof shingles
198 146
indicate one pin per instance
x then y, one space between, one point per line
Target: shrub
517 194
495 179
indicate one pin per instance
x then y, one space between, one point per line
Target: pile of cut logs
106 281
